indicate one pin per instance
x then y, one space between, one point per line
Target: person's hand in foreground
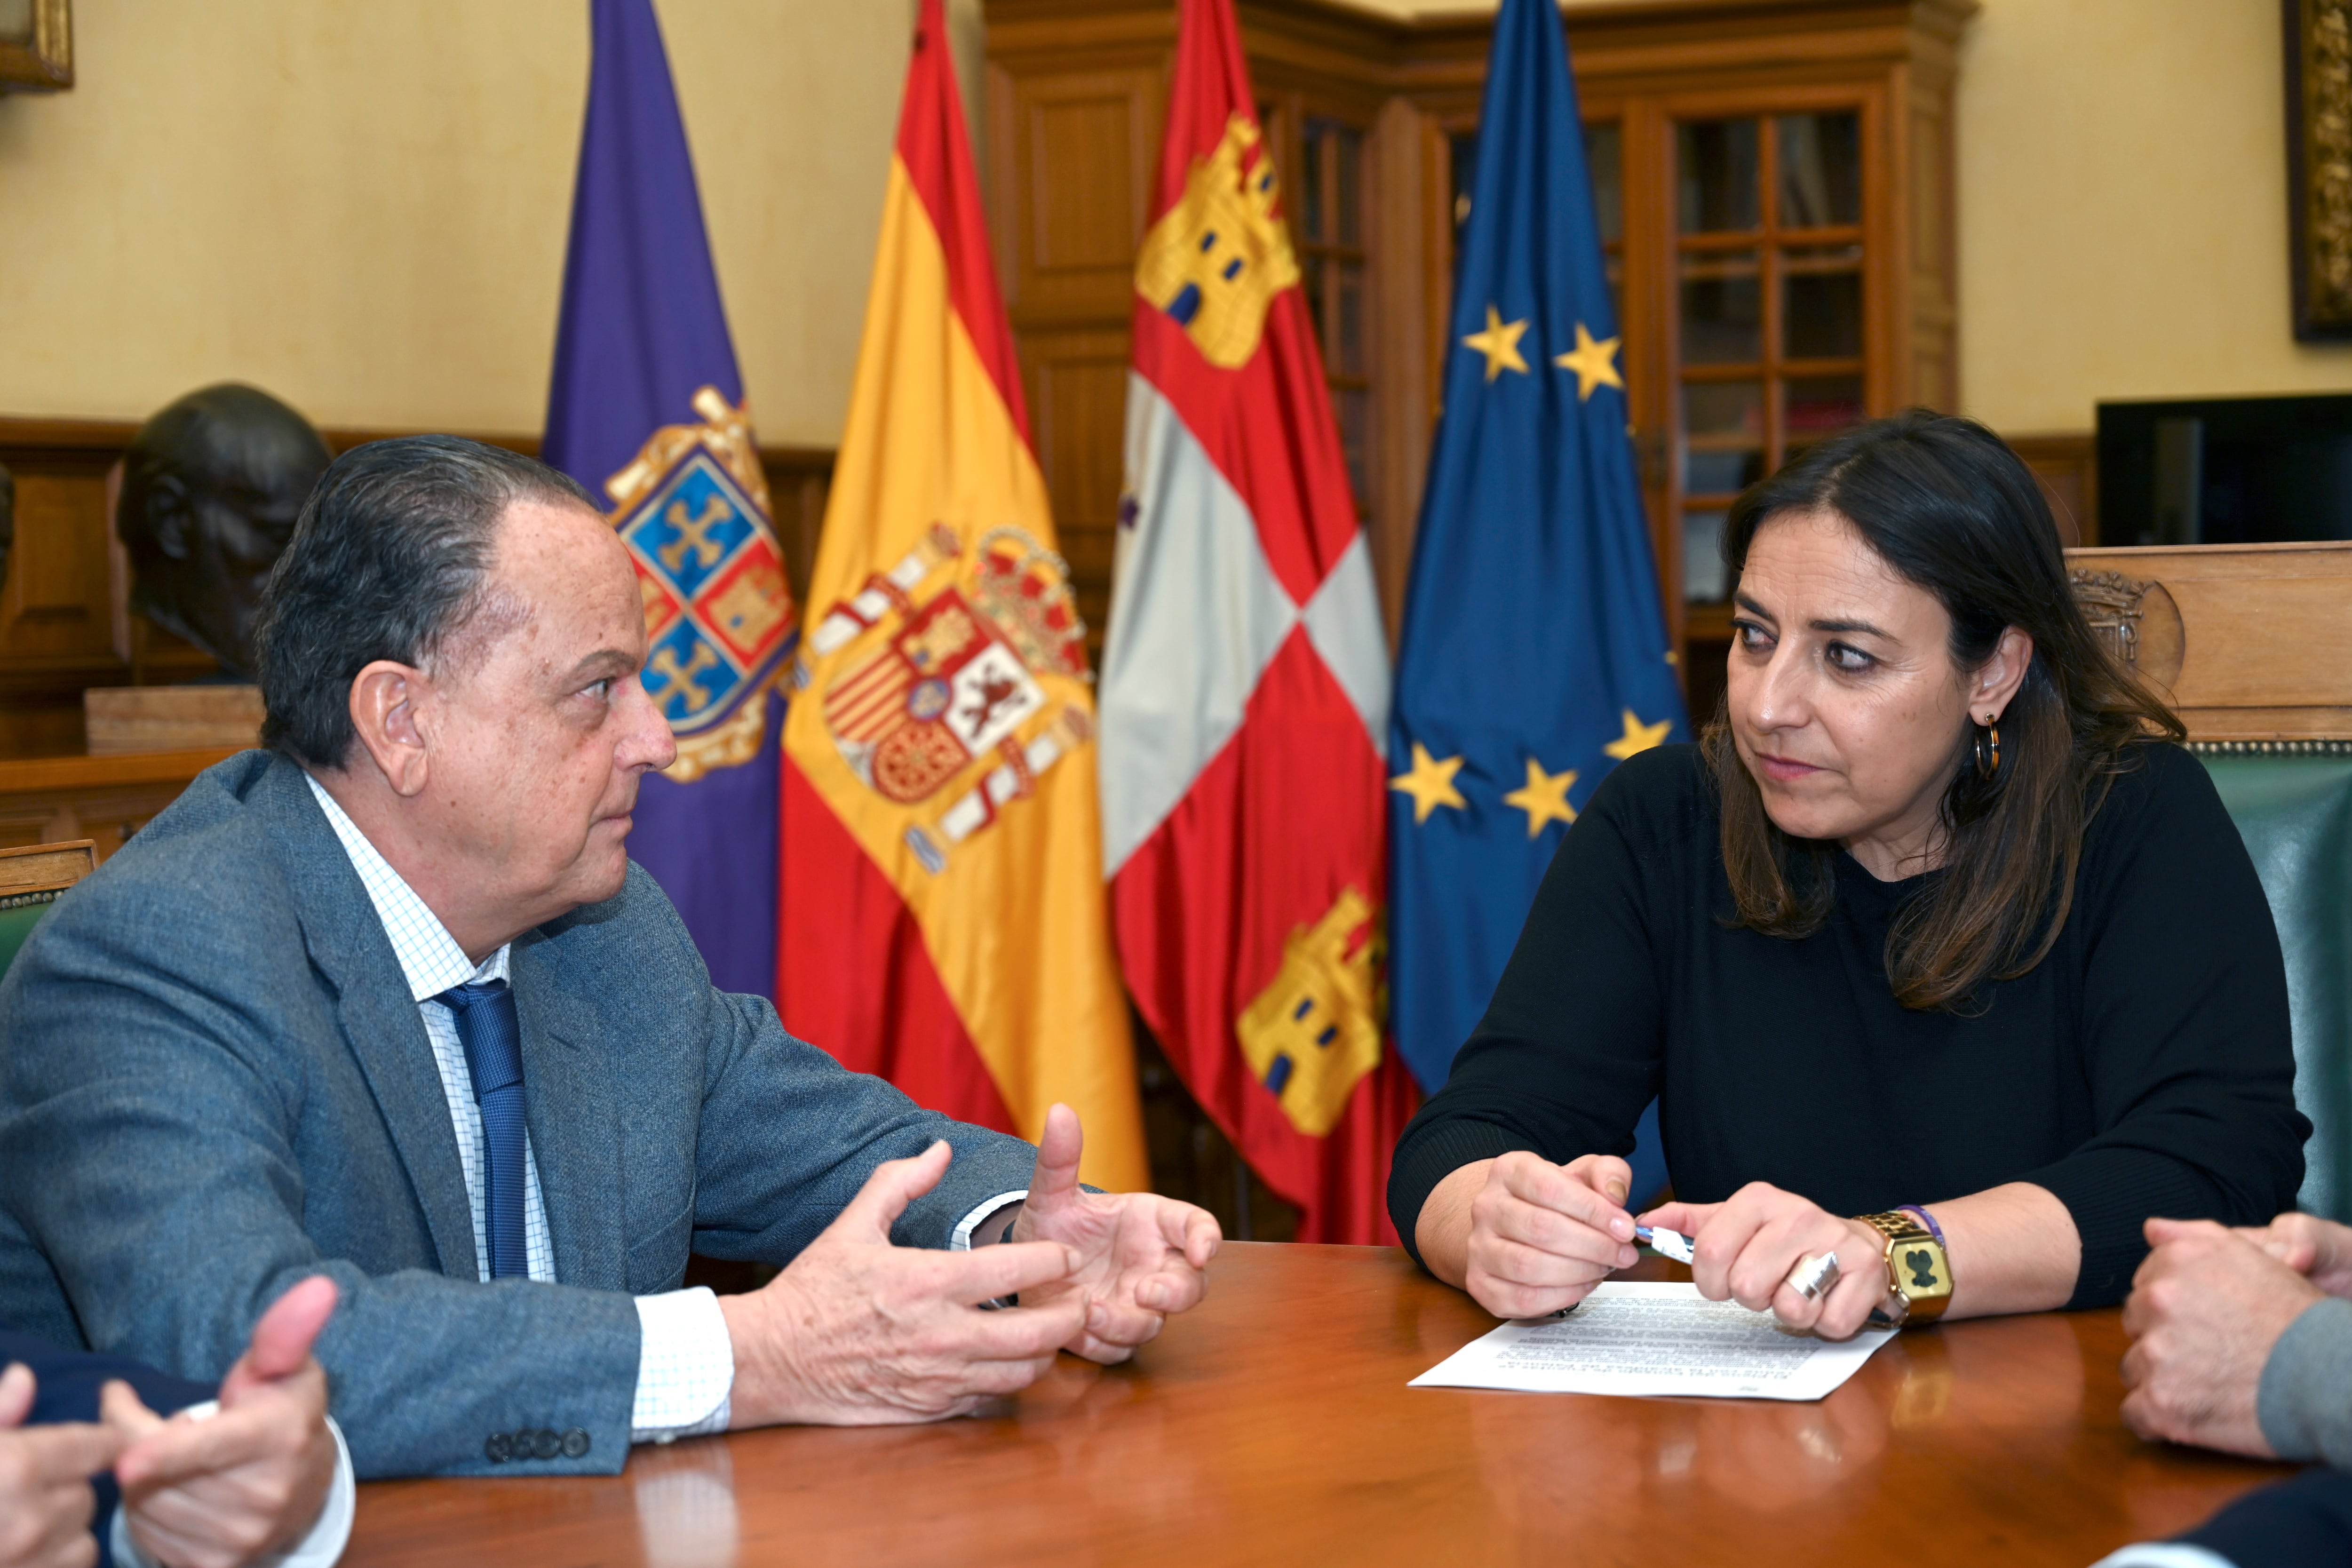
1542 1235
249 1481
46 1502
2206 1308
2318 1249
1138 1257
1744 1248
857 1332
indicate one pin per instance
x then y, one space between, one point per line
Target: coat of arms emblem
936 688
1215 260
693 511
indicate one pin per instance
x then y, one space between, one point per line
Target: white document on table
1658 1340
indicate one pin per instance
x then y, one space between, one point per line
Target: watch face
1920 1270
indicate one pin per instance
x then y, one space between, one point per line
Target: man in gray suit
388 1002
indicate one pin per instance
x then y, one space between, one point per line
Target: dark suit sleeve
67 1380
66 1384
149 1153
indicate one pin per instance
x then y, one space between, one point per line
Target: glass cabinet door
1768 317
1332 260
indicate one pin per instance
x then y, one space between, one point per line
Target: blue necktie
493 1042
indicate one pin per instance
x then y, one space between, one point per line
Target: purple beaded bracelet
1925 1218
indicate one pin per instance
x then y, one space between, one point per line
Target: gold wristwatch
1918 1275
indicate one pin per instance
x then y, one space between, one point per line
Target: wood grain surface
1274 1426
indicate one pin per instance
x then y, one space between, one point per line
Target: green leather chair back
17 920
2293 808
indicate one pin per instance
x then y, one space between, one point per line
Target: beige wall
2123 209
362 206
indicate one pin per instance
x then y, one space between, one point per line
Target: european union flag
647 411
1535 654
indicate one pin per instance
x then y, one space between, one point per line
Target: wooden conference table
1273 1425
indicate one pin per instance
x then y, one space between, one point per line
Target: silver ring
1814 1275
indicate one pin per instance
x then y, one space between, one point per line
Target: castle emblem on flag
1311 1033
939 683
1215 260
692 509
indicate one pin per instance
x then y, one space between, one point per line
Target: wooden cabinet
1775 184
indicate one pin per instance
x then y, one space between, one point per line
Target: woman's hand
1744 1248
1541 1236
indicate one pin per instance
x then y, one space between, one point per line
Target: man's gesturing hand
251 1480
1135 1256
2318 1249
858 1332
44 1497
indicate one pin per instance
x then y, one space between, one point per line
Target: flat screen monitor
2225 470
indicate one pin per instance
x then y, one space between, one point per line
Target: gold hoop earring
1988 748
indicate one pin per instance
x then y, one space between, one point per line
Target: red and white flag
1245 688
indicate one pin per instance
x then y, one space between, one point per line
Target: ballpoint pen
1666 1243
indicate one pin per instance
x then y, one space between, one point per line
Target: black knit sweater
2144 1068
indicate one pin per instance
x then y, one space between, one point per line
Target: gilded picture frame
35 46
2319 164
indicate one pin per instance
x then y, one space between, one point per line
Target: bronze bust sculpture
211 488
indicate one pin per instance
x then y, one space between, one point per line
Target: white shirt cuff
686 1366
2164 1554
959 1240
320 1549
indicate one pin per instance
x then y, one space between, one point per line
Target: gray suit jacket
214 1082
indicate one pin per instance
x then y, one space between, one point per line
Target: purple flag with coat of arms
647 411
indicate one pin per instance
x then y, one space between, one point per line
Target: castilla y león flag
944 923
1245 680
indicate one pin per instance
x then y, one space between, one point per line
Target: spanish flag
944 923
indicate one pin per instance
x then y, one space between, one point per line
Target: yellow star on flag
1544 798
1500 343
1638 737
1430 783
1595 363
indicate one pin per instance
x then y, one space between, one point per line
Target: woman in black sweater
1936 925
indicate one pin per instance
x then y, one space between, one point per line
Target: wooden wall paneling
1404 374
54 800
1934 325
57 624
2066 465
1077 409
1646 134
1089 145
800 480
1076 100
55 604
1071 157
65 622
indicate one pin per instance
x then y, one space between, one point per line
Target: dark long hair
1952 508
